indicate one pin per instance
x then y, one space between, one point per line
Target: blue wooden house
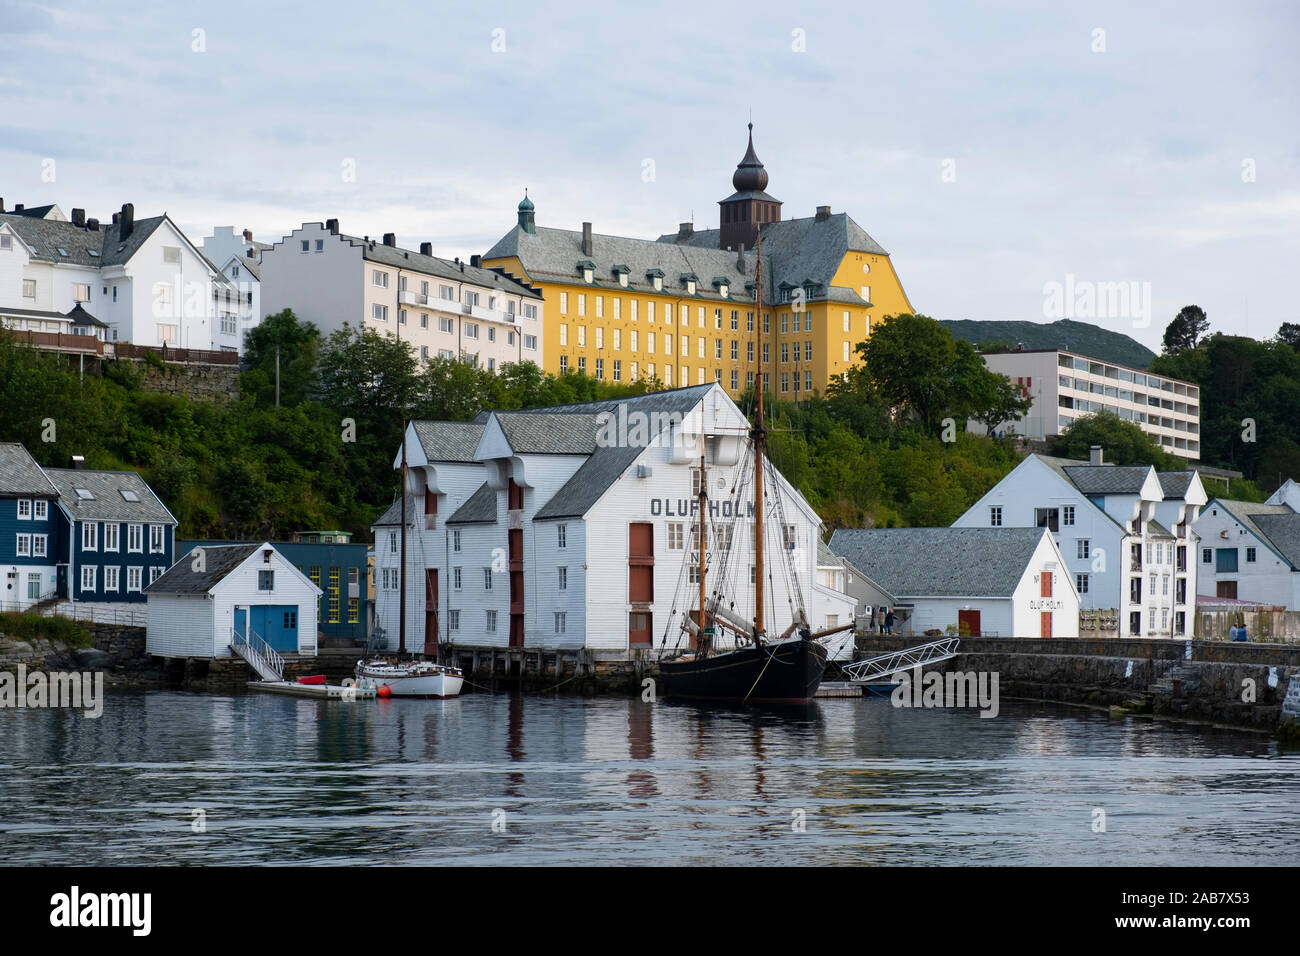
29 530
116 536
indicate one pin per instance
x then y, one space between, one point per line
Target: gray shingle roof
442 268
552 255
546 432
218 561
449 441
47 236
935 562
479 508
20 475
1175 483
1108 479
108 503
252 265
1283 532
607 464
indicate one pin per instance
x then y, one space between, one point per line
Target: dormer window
722 284
656 277
690 280
587 269
621 272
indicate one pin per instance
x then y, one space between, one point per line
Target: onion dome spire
750 176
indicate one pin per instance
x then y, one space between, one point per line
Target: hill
1080 337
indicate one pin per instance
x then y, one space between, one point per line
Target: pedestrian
889 622
1241 634
1232 633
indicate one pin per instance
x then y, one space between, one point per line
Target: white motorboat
410 678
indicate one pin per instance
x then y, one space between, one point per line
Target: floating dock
318 691
839 689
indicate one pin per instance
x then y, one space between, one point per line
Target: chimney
78 462
476 261
390 238
426 248
116 218
2 205
586 239
248 235
1096 455
19 208
332 226
92 225
127 222
823 213
685 230
79 218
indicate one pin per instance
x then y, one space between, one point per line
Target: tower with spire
741 213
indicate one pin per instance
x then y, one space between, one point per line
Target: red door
1045 627
969 621
431 612
1045 579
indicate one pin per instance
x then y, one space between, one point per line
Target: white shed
212 593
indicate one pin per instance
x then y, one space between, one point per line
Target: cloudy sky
992 151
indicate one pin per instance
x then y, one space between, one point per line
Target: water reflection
626 781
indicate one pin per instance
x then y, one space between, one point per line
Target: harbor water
166 777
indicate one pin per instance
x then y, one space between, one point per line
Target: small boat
410 678
313 679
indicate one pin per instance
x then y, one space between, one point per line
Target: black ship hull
786 672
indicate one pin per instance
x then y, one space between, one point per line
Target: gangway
259 654
886 665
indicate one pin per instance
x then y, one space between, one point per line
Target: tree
1289 334
297 344
997 399
1187 326
1123 442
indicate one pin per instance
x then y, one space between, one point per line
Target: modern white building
1125 533
214 592
531 529
442 308
1065 386
142 279
1251 551
978 582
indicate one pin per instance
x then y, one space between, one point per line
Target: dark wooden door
431 612
1226 589
971 620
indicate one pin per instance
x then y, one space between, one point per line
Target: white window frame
134 578
112 536
25 505
88 572
158 532
135 539
111 578
89 536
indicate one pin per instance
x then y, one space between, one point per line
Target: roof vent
79 462
644 471
1095 455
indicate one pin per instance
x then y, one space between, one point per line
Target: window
1081 583
1225 560
89 534
110 579
320 245
24 509
87 578
1250 555
266 580
1164 589
29 288
487 579
600 368
471 330
559 622
24 547
155 573
379 312
455 579
995 516
134 538
455 539
80 292
167 333
1047 518
562 535
40 545
564 303
1083 549
110 536
156 538
562 578
1067 514
333 593
401 316
618 370
1206 555
6 242
582 303
530 342
171 254
491 622
376 276
564 365
674 535
453 620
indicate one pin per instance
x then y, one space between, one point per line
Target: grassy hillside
1090 340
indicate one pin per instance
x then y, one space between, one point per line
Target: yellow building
682 308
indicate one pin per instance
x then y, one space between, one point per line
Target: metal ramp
886 665
260 655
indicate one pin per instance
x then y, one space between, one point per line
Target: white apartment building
442 308
525 530
142 280
1251 551
1065 386
1125 534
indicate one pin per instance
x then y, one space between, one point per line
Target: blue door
277 624
241 621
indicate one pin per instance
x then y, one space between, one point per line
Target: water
613 781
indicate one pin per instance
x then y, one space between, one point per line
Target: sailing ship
405 675
756 668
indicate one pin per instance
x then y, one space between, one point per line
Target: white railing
878 668
265 659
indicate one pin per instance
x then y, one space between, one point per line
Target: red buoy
383 691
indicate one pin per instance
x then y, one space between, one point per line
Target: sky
1013 158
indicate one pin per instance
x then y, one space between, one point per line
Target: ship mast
702 541
401 599
758 434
